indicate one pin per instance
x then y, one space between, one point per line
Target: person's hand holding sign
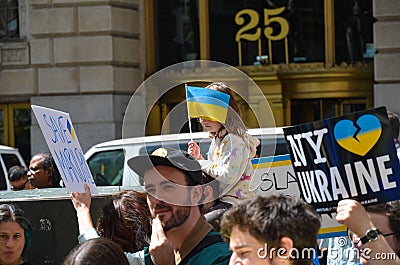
161 250
81 202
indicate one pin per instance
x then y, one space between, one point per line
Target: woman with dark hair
15 235
126 221
97 251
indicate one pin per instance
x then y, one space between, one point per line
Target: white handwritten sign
64 146
275 175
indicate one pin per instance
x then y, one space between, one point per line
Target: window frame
4 13
329 28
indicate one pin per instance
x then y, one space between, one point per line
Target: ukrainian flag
207 103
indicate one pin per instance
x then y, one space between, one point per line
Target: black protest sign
351 156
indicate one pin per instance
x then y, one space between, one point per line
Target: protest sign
274 175
351 156
64 146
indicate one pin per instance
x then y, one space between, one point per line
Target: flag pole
190 123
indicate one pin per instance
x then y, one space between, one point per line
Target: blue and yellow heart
360 142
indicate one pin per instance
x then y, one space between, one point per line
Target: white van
9 157
107 160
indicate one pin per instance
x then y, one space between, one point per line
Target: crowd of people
259 230
41 173
200 211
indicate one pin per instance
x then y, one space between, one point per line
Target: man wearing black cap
180 234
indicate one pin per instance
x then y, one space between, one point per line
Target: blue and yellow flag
207 103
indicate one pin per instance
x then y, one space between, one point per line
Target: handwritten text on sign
274 175
64 146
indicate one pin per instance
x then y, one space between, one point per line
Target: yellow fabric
207 111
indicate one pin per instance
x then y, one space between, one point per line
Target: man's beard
179 216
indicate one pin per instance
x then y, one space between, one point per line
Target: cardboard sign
275 175
351 156
64 146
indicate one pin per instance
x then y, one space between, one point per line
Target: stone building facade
387 61
81 57
87 57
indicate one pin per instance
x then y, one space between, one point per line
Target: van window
183 145
150 148
267 147
107 167
3 185
10 160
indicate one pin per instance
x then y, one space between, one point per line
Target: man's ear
208 194
286 244
49 170
196 194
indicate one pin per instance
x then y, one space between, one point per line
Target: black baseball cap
178 159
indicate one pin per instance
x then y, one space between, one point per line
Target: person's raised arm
81 202
352 214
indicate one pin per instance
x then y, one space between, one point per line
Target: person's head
15 234
394 124
126 221
42 171
233 123
260 229
97 251
18 177
172 179
386 218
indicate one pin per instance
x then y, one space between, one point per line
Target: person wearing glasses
374 228
43 172
18 177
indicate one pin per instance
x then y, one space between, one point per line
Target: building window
3 125
15 124
176 31
308 110
272 32
252 32
9 19
353 31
